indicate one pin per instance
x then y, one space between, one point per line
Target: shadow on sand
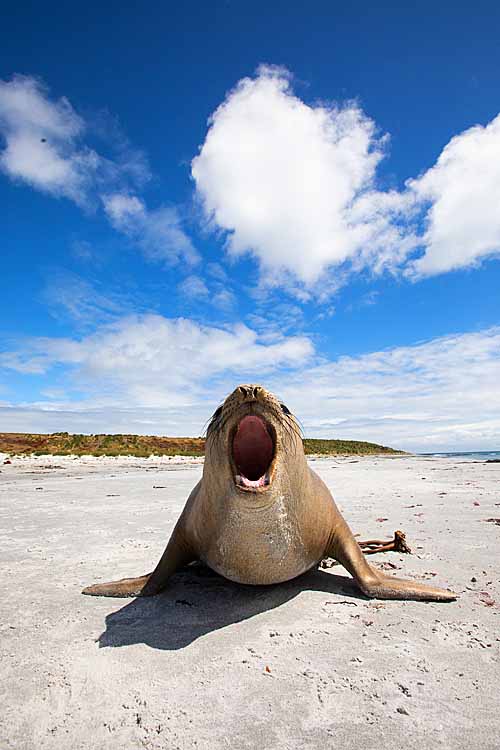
198 601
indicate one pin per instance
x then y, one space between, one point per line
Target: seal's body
271 542
260 515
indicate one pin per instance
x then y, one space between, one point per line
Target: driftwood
371 546
398 544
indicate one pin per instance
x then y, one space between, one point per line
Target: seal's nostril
256 391
243 390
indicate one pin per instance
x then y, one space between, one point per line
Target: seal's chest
263 549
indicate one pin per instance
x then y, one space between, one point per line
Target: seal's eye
286 410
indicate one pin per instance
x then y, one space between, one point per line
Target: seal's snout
252 452
250 392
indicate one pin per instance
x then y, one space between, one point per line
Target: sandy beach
210 664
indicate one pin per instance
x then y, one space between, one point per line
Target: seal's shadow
198 601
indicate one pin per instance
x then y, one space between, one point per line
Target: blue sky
306 197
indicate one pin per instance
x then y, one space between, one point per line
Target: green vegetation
345 447
64 444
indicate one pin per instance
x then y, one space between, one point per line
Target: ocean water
469 455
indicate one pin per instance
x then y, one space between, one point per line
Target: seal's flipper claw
123 588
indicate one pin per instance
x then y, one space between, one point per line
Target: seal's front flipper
387 587
123 587
177 554
344 548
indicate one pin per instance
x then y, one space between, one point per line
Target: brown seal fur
262 529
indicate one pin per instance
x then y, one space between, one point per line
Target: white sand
187 669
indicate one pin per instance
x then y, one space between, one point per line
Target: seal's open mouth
253 452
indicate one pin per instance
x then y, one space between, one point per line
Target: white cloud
294 184
156 375
224 300
70 296
41 138
193 287
185 417
147 361
124 210
157 232
463 190
278 318
219 295
44 148
438 395
217 272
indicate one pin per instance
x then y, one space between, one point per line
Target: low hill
64 444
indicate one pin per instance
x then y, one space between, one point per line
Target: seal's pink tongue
252 448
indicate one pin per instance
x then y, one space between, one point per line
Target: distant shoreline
480 455
145 446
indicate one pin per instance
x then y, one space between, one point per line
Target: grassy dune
345 447
64 444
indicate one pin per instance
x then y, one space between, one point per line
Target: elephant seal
260 515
